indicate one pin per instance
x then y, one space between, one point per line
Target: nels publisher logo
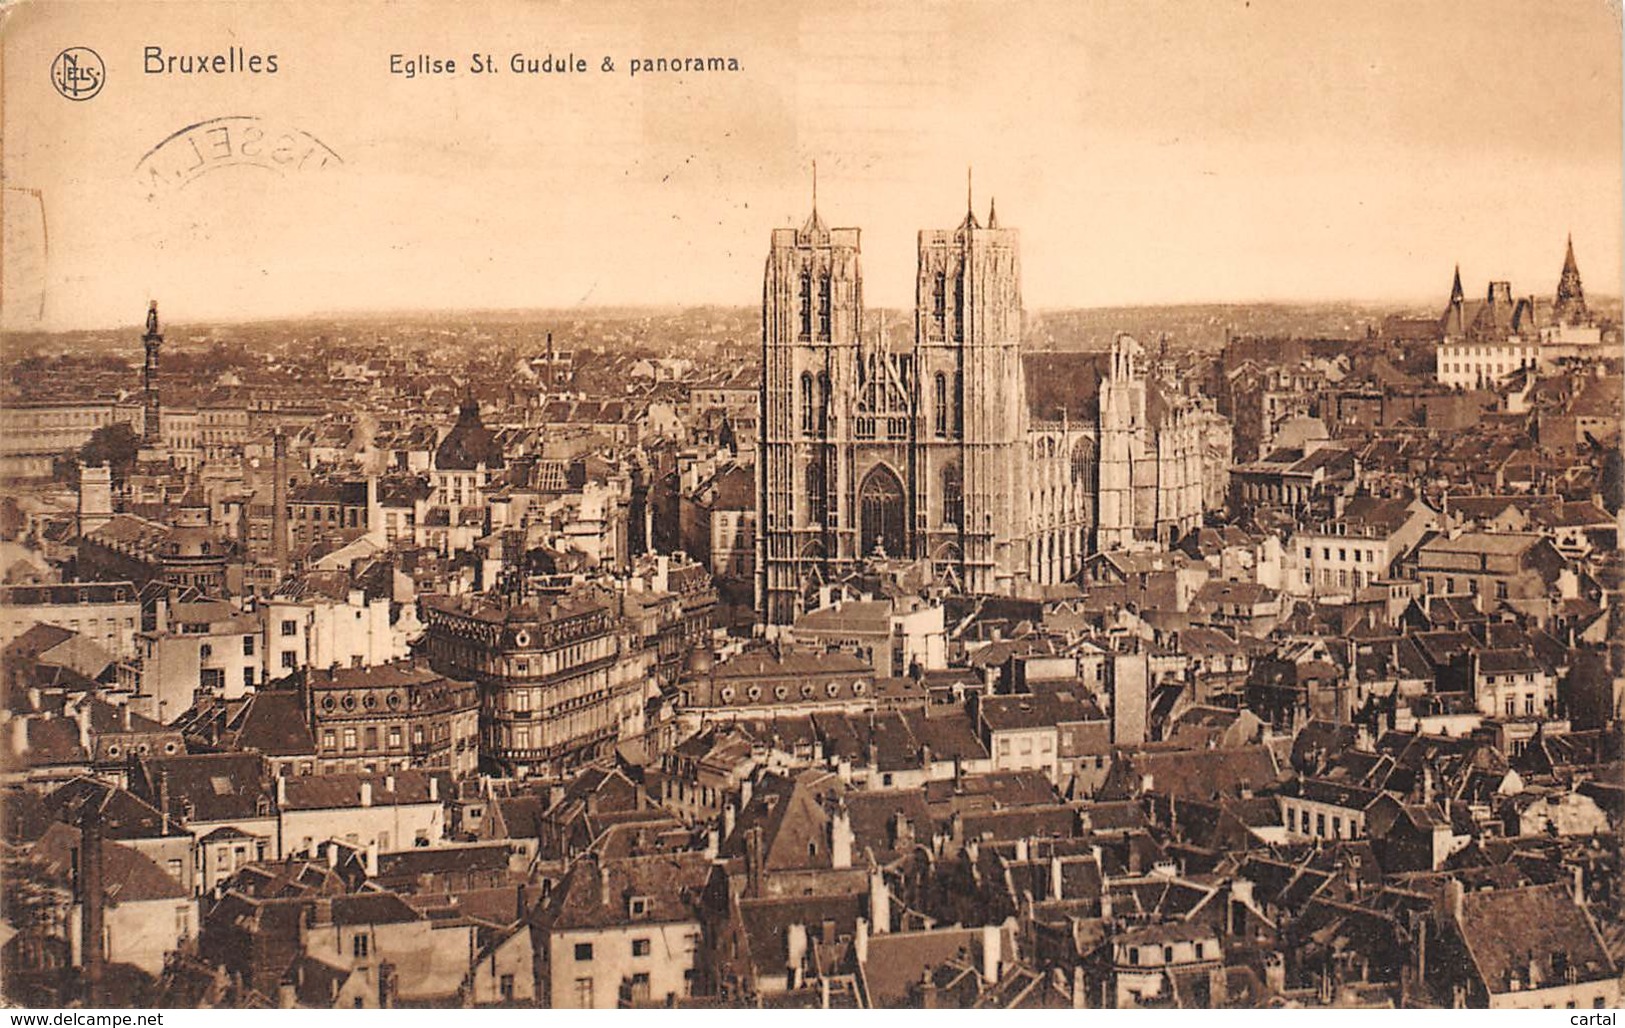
78 73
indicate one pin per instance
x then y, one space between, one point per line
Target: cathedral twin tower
922 447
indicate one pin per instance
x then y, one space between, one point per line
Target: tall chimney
753 861
279 502
91 898
366 794
163 797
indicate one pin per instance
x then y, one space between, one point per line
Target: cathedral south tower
812 313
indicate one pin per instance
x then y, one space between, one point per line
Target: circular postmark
237 141
78 73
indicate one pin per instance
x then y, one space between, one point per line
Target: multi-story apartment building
560 680
394 716
106 613
1340 556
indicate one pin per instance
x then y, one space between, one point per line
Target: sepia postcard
705 505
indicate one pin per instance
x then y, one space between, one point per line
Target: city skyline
1341 166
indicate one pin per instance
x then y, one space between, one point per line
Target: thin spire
815 188
1456 294
992 212
970 221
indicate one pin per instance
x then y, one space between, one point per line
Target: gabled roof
597 894
127 875
1509 932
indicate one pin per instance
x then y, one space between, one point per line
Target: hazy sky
1150 153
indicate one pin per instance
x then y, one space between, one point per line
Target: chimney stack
879 903
990 953
840 838
82 715
753 862
366 794
372 859
796 948
1055 877
860 941
91 898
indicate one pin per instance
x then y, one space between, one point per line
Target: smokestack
279 502
91 897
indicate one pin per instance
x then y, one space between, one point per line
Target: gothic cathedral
1003 468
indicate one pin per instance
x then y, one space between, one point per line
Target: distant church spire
992 213
1456 294
1570 306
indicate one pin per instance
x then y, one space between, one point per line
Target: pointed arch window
940 295
953 496
959 312
822 416
817 493
956 402
823 306
939 408
806 305
807 414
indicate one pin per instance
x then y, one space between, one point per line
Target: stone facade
932 447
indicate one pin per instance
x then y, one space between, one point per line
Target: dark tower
91 897
1570 307
152 340
279 502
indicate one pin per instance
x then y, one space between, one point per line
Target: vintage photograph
1040 505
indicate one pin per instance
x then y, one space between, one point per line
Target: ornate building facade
1001 466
